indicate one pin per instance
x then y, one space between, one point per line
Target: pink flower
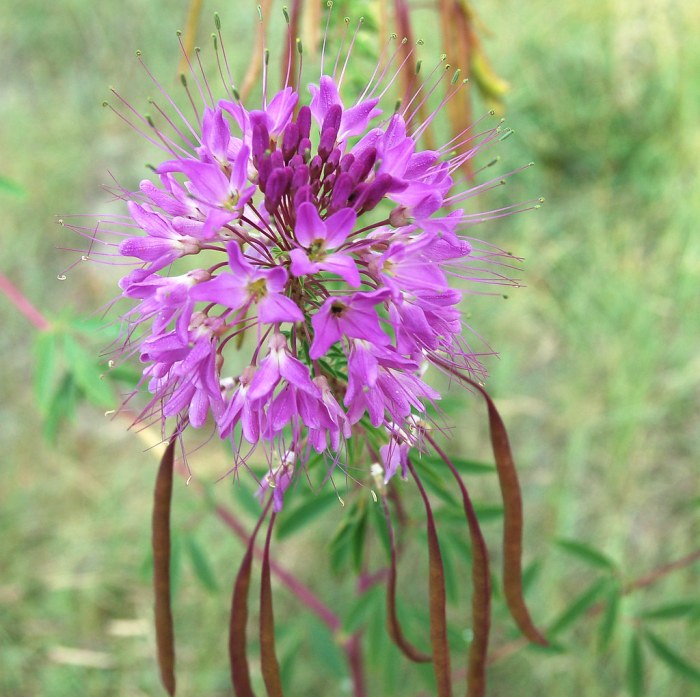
313 237
249 285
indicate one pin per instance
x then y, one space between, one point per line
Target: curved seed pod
392 619
481 589
512 521
438 617
268 659
165 635
240 672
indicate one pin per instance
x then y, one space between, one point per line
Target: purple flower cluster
321 232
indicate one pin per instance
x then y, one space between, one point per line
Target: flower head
319 226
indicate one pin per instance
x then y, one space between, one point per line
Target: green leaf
45 370
307 510
531 574
587 554
635 667
461 464
611 615
436 484
125 373
96 328
578 607
552 649
364 607
358 541
244 497
339 546
8 186
61 406
324 649
87 374
451 584
673 660
671 611
472 466
486 513
379 521
291 645
200 564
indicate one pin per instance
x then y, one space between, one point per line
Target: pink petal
309 226
344 266
301 266
275 308
297 374
326 330
265 380
276 279
154 224
355 119
339 226
225 289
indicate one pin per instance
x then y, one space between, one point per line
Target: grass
598 372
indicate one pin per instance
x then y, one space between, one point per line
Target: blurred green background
598 376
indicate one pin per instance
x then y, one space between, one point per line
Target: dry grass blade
268 659
190 33
256 57
409 71
392 619
289 59
457 40
165 635
438 601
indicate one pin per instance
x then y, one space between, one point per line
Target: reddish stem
353 653
20 301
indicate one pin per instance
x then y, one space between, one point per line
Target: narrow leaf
8 186
587 554
200 565
377 517
61 406
358 539
611 615
481 588
393 625
340 545
363 609
580 604
485 513
436 585
86 373
635 667
671 611
44 368
672 659
531 574
268 657
464 466
308 510
435 484
165 636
